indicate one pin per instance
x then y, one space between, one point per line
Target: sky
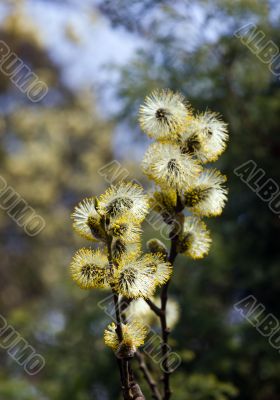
99 45
85 64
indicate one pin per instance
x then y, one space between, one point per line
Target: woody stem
123 364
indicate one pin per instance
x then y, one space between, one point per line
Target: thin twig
123 364
136 392
153 307
148 376
165 331
134 387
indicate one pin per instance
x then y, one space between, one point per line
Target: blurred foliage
191 47
201 387
50 154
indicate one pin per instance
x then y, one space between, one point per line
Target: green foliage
50 155
201 387
224 74
17 389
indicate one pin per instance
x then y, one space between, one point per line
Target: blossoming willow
183 185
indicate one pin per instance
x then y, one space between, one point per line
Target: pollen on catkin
121 249
90 269
163 113
125 200
207 195
134 334
138 276
205 137
168 167
194 241
87 220
125 230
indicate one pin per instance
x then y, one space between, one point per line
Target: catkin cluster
184 143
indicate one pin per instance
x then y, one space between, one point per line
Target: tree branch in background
148 376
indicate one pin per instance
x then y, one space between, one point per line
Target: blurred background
99 60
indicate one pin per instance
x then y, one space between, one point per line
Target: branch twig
123 364
165 331
148 377
153 307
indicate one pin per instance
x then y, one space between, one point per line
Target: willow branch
148 376
153 307
165 331
136 392
123 364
